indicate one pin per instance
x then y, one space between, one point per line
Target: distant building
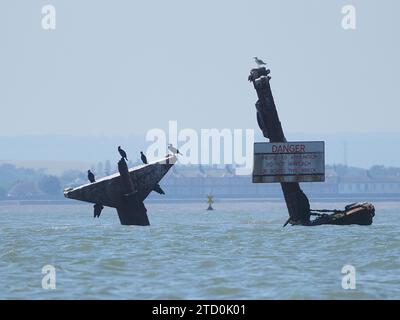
189 182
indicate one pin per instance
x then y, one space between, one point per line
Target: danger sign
289 162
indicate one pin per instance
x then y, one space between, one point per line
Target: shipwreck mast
296 201
268 120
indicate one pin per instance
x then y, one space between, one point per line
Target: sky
124 67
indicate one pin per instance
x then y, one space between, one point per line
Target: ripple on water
239 251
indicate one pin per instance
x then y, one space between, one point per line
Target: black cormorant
90 176
143 157
122 153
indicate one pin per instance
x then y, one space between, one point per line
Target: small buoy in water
210 201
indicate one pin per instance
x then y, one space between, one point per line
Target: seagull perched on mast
259 62
173 149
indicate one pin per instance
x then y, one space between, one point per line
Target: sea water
238 251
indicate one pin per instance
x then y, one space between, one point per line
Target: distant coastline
349 198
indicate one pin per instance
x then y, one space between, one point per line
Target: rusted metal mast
267 117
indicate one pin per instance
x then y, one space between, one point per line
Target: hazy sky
123 67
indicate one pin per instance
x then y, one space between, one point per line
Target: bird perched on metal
173 149
143 157
259 62
90 176
122 153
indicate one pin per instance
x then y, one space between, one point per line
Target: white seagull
173 149
259 62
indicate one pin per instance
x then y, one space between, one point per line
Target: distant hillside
362 149
50 167
67 148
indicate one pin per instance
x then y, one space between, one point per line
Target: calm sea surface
239 251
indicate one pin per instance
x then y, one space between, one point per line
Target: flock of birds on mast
124 156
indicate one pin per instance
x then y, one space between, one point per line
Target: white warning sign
289 162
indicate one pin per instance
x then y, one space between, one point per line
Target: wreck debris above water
125 190
297 202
